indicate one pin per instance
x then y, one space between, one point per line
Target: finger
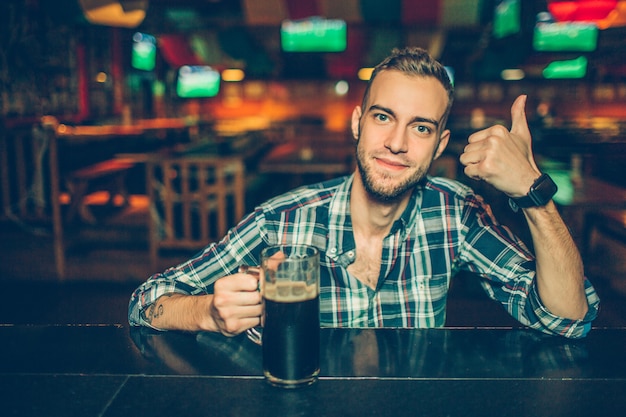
479 135
250 312
476 151
231 313
253 271
472 171
275 260
249 298
237 283
237 326
250 270
469 157
237 298
519 124
519 129
247 282
240 312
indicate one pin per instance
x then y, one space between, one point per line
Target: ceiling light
233 74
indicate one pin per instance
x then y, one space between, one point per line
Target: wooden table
111 370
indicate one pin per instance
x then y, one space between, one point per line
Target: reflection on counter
387 353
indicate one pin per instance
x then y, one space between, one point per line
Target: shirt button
333 250
351 254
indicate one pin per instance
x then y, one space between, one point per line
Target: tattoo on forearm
154 311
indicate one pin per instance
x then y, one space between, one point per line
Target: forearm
180 312
559 267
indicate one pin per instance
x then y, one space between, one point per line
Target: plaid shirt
444 229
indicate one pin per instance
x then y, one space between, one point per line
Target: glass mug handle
255 334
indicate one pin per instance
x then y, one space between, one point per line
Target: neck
371 216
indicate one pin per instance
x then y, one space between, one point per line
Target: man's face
399 133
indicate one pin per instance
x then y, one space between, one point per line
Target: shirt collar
340 234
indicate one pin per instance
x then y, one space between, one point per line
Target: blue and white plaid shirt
444 229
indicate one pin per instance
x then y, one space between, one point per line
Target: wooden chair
79 183
193 201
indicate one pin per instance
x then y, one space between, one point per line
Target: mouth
391 164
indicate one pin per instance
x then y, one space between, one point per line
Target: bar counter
114 370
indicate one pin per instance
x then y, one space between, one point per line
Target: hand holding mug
237 303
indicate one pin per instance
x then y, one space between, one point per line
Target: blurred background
133 132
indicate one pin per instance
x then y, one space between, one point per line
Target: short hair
414 61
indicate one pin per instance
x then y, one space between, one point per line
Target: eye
381 117
424 130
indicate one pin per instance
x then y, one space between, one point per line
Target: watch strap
534 198
524 202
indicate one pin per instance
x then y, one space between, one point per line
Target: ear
443 143
356 119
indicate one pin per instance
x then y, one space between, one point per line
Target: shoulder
301 215
447 186
305 197
445 192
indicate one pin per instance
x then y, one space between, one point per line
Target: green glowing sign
143 55
313 35
565 36
196 81
574 68
506 20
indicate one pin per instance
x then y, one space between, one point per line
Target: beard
385 188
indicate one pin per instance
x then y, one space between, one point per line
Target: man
390 237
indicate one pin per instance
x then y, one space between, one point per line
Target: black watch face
543 190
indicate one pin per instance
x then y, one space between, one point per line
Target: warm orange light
233 74
111 12
365 73
616 18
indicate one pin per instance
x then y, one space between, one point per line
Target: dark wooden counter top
111 370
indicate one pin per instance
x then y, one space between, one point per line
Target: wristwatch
542 191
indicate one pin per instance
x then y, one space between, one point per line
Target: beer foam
289 292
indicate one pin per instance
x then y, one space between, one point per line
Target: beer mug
290 334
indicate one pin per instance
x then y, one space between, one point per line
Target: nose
396 141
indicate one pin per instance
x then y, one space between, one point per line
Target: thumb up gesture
503 157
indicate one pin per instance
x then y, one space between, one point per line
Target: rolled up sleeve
540 318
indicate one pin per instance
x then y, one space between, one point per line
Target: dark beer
291 333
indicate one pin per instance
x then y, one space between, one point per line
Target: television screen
507 19
565 36
313 34
197 81
143 55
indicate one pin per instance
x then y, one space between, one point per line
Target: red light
582 10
